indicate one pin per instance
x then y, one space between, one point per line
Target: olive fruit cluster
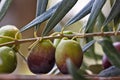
105 61
8 60
44 55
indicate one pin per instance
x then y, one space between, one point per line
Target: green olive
68 49
9 31
57 41
8 61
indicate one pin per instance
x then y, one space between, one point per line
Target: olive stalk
77 35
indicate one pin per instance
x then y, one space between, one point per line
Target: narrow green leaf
112 54
100 20
73 71
41 8
46 15
88 45
4 5
61 11
112 2
97 6
91 50
114 12
117 20
85 11
92 56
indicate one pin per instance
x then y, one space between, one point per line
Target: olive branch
76 35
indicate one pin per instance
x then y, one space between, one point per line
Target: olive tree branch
78 35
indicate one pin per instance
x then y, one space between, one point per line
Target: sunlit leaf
85 11
112 54
46 15
97 6
73 71
88 45
4 5
114 12
41 8
61 11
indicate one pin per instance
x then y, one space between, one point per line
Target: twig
78 35
22 56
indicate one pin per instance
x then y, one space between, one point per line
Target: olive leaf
41 8
4 5
91 50
117 21
97 6
112 2
88 45
73 71
96 9
61 11
110 72
112 54
114 12
100 20
82 13
44 16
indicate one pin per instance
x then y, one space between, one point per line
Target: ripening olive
105 61
41 58
68 49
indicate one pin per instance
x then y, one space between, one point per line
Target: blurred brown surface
50 77
34 77
20 13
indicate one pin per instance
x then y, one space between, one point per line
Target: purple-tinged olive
105 61
41 58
